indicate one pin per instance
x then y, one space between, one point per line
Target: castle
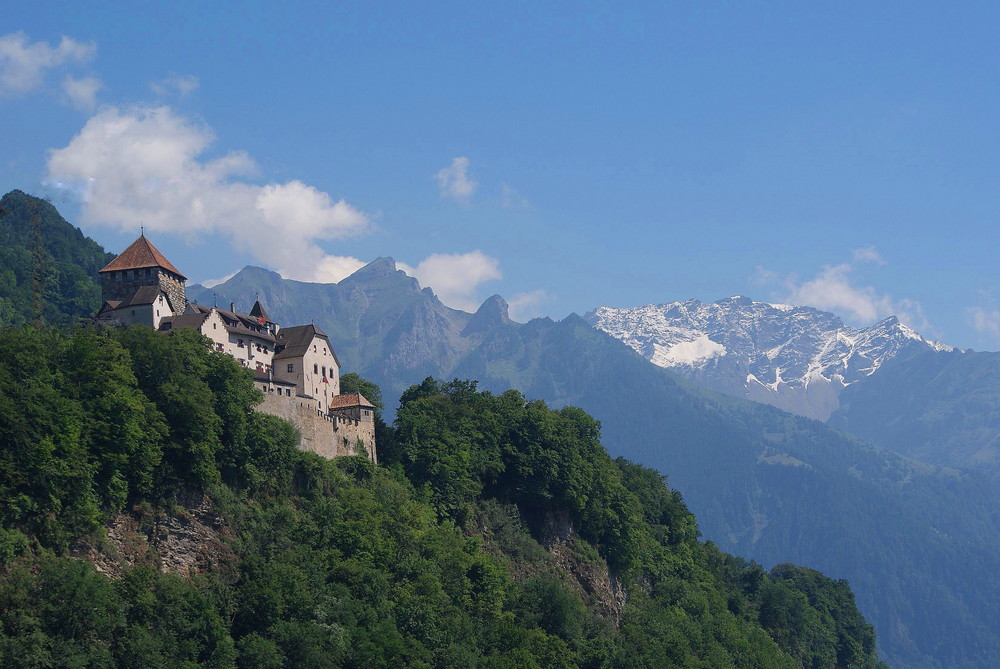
295 367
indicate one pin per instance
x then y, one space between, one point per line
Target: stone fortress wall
322 433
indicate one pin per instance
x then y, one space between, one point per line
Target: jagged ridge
794 358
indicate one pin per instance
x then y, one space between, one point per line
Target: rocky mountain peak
796 358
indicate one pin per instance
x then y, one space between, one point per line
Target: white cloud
212 283
82 93
525 306
985 320
868 254
455 277
511 199
454 181
146 164
334 269
834 290
184 85
23 64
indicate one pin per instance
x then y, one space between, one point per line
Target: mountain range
918 543
798 359
884 383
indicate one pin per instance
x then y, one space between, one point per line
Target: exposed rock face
795 358
186 542
596 582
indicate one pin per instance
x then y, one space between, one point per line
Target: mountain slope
940 407
795 358
910 538
152 518
48 268
771 486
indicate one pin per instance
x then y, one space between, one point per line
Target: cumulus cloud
147 164
985 320
454 277
183 85
454 181
868 254
82 93
511 199
24 64
525 306
333 269
834 289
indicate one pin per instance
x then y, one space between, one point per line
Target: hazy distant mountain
919 544
940 407
795 358
883 383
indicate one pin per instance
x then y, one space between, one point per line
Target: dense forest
48 268
495 532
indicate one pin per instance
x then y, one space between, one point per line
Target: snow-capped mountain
795 358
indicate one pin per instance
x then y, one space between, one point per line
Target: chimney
232 307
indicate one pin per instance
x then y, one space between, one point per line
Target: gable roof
295 341
139 254
143 295
193 321
350 400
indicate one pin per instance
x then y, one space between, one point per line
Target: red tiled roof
141 253
349 400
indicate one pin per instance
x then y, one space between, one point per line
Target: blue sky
564 155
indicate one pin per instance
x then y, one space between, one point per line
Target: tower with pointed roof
141 265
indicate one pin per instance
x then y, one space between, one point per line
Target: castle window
291 367
314 348
315 368
324 371
288 392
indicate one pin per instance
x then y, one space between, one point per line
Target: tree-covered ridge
48 268
438 560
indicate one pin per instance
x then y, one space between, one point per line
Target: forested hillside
151 518
48 269
766 485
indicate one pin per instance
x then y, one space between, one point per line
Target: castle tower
141 264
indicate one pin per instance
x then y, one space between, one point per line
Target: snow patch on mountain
796 358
